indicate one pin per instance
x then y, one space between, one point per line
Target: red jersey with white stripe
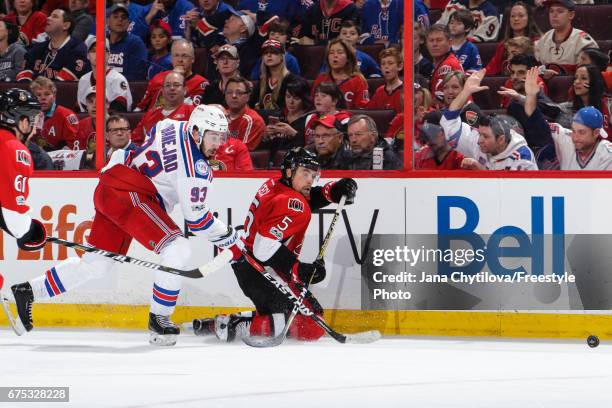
151 117
384 99
354 89
449 64
277 215
194 90
179 171
59 130
234 155
248 127
16 168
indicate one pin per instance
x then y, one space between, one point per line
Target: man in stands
323 19
493 145
61 124
128 54
558 48
436 153
62 57
332 152
439 47
486 18
86 133
117 90
239 30
363 138
173 106
244 123
583 147
171 11
183 56
118 135
83 21
227 62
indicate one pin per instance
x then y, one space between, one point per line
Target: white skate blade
15 324
156 339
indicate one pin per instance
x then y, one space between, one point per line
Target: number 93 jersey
170 158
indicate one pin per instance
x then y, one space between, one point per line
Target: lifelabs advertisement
510 268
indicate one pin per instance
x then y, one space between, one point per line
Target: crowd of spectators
542 100
278 68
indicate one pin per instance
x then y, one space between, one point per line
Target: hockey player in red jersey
19 112
275 227
135 192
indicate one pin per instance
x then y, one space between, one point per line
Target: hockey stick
275 341
15 324
218 262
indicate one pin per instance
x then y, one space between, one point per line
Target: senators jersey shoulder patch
23 157
295 204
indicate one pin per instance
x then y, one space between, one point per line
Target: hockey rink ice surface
120 369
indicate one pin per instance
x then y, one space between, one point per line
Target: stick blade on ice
363 337
263 342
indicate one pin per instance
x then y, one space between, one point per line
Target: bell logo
523 246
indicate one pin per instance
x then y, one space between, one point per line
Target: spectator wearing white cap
226 62
117 90
584 146
86 133
239 31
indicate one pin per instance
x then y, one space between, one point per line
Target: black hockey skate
203 327
234 326
24 297
162 330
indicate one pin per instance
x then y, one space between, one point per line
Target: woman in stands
518 21
160 40
344 72
328 100
274 76
31 23
588 89
453 84
287 130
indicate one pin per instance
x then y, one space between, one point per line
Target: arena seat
373 84
558 88
200 62
605 45
382 117
277 159
372 50
490 99
260 159
310 58
487 51
138 89
133 118
595 20
66 91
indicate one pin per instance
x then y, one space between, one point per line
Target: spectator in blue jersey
422 65
136 13
160 41
460 24
421 13
382 20
206 22
486 18
128 54
83 21
174 12
349 32
279 31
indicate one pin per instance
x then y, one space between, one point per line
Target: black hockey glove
345 186
315 269
35 238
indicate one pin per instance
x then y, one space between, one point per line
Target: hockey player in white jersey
135 192
494 145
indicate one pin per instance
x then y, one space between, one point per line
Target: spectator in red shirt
518 22
173 107
233 155
31 23
244 123
436 154
344 72
61 124
390 95
439 47
183 56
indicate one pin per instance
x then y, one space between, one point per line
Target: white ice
120 369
